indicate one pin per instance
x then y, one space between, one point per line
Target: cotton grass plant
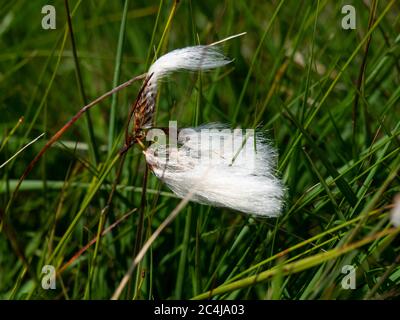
89 205
223 168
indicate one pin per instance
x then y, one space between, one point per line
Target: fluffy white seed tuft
190 59
221 167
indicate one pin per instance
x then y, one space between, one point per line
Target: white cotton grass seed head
196 58
221 167
189 59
